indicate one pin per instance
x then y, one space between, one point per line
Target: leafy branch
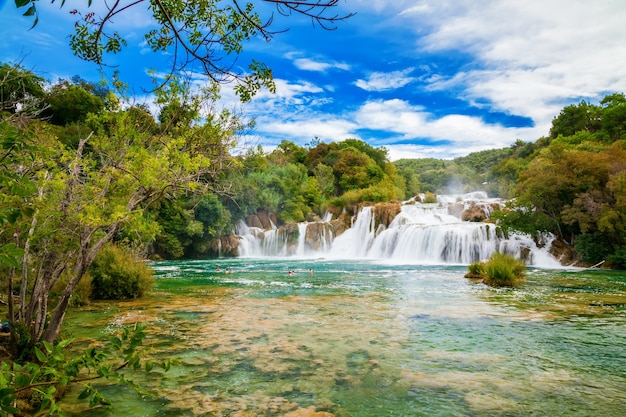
54 369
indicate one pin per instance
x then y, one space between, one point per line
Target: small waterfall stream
432 233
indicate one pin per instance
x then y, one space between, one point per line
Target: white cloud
307 64
464 133
303 130
532 57
383 81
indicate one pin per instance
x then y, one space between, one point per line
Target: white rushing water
421 233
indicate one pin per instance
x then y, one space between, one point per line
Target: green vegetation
501 270
36 386
206 34
95 173
117 275
571 183
476 270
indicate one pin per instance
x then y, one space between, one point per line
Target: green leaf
85 393
31 11
35 22
10 409
116 342
40 355
21 3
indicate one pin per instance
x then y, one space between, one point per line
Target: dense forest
81 170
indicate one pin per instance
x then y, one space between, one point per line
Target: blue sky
423 78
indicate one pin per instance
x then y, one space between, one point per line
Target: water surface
360 338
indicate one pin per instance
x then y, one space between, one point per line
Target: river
368 338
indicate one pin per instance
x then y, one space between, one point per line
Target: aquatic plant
502 270
476 270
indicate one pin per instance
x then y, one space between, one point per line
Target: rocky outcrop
252 220
318 235
224 246
261 220
564 253
384 213
265 219
456 209
473 213
342 223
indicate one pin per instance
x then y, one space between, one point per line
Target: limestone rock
384 213
252 220
474 213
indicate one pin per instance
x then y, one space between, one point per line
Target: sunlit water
370 339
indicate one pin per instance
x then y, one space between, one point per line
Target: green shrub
617 260
429 198
475 270
592 247
117 275
502 270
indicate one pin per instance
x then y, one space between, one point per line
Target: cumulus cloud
532 57
383 81
457 134
311 65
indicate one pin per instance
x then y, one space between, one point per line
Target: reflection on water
368 339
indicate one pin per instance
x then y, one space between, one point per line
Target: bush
81 294
429 198
592 247
117 275
502 270
617 260
476 270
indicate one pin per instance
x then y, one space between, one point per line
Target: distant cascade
300 251
432 233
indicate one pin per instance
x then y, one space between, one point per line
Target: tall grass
501 270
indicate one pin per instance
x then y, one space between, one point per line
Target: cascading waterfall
420 233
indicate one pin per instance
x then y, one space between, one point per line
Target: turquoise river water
360 338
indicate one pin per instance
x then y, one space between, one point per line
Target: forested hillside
571 183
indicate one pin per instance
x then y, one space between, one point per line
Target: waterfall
300 250
420 233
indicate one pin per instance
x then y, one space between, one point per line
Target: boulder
252 220
264 218
474 213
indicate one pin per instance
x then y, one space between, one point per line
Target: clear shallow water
371 339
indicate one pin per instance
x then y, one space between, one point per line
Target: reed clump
501 270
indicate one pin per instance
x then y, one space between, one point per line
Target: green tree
69 103
614 116
20 89
354 169
209 33
576 118
325 179
83 198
